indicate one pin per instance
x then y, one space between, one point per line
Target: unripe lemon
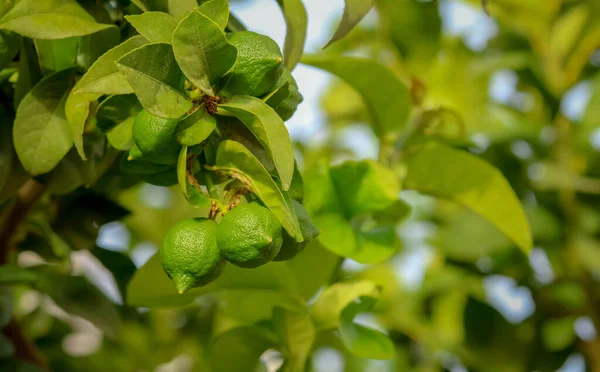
258 66
290 247
190 255
155 138
249 235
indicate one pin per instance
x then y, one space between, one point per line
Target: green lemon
155 138
287 107
258 66
190 255
249 235
290 247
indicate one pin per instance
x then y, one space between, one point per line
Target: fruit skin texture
190 255
290 247
249 235
259 64
155 138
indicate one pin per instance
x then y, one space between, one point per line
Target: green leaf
6 147
397 212
57 55
239 349
387 98
29 71
363 341
196 127
188 184
269 129
236 161
559 333
326 311
337 235
310 278
296 21
442 171
103 77
202 51
375 245
10 43
157 27
217 10
115 116
41 132
116 109
77 296
92 47
181 8
374 187
50 20
6 305
10 275
73 172
121 135
152 72
320 195
77 110
297 333
150 286
354 11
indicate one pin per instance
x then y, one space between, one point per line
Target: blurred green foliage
470 240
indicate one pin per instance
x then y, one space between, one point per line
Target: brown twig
27 196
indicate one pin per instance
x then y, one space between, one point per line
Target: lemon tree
442 178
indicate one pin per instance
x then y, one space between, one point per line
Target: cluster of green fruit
258 72
249 235
195 250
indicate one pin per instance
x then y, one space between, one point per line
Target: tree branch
27 196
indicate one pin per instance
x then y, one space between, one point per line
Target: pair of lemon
195 250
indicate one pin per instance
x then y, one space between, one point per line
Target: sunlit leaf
156 79
326 311
297 334
188 185
77 110
92 47
269 129
217 10
457 175
50 20
202 51
296 21
181 8
196 127
157 27
354 11
361 340
41 132
103 77
150 286
387 98
236 161
374 187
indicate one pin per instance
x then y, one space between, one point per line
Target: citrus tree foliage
162 123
